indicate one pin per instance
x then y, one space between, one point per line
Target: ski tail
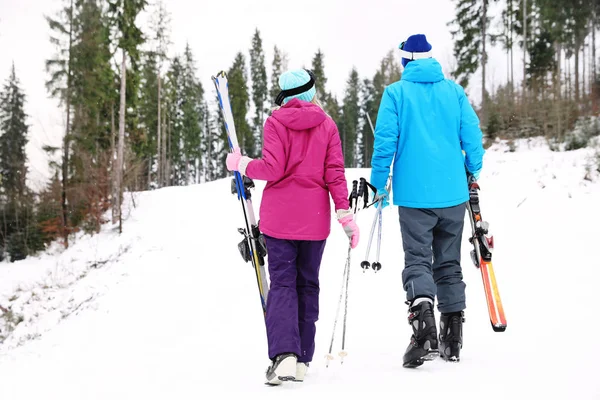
481 255
252 247
492 296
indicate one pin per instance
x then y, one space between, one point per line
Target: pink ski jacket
303 164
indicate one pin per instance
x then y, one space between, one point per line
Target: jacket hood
427 70
299 115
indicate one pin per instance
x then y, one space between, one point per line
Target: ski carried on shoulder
481 256
252 247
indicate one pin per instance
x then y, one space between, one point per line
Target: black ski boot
451 337
423 343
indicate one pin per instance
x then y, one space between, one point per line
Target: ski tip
220 74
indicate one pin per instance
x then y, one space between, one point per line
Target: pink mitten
233 159
346 218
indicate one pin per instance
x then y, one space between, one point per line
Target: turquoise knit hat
293 79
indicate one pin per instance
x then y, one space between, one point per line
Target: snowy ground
169 310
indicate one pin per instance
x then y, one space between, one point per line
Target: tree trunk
159 144
121 143
594 84
568 73
149 172
512 61
583 77
557 90
113 167
577 47
187 170
168 157
525 57
483 60
66 140
208 164
164 150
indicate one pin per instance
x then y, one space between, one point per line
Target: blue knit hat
293 79
416 47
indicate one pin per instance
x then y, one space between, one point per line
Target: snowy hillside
168 310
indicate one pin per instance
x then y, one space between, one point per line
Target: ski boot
283 368
451 337
301 369
423 343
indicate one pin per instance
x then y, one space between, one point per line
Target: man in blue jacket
427 127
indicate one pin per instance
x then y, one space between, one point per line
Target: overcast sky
349 32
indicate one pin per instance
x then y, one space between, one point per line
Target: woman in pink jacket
303 164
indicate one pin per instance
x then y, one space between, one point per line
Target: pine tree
210 142
334 109
13 139
160 36
124 13
471 33
388 72
221 148
145 145
238 93
579 12
276 71
467 48
507 37
258 74
318 69
174 91
59 85
16 204
92 99
367 134
192 119
350 127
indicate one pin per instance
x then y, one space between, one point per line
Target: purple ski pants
293 303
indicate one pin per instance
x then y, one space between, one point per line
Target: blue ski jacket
424 124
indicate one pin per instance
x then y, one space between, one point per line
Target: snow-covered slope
169 310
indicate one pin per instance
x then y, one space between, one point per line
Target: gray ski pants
432 238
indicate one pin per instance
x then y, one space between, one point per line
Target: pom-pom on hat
416 47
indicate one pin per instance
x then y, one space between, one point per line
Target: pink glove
236 162
233 159
346 218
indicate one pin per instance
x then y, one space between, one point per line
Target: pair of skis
252 247
481 255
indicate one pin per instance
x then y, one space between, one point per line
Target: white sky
350 33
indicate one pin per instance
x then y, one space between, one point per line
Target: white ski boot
301 369
283 368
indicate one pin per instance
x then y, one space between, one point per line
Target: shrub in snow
585 129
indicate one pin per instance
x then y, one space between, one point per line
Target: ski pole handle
353 199
363 192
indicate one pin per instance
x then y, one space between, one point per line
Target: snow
168 309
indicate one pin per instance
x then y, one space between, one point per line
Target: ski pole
353 199
362 193
354 204
337 312
366 264
377 265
